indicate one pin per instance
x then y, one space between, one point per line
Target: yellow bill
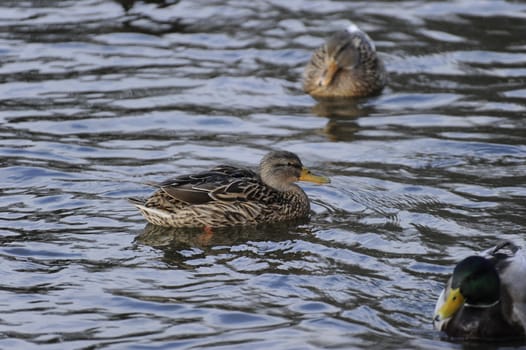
306 175
453 302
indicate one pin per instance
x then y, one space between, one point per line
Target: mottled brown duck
346 65
230 196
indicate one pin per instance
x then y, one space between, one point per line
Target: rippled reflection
174 240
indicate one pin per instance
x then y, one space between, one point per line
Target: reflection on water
342 116
99 97
159 237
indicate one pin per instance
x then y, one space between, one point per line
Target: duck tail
506 244
136 201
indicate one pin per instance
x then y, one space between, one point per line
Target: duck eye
293 165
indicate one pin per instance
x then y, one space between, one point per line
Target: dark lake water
99 96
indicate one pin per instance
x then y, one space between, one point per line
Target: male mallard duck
228 196
486 296
345 66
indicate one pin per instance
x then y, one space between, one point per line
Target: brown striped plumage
228 196
346 65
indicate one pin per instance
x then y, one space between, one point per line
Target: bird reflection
140 22
176 242
128 4
342 115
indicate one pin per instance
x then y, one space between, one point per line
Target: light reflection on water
99 97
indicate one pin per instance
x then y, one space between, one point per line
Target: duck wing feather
222 183
510 262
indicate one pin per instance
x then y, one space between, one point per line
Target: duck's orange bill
326 79
306 175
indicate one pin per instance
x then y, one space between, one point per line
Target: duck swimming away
346 65
230 196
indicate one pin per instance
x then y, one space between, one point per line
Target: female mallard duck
228 196
345 66
486 296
